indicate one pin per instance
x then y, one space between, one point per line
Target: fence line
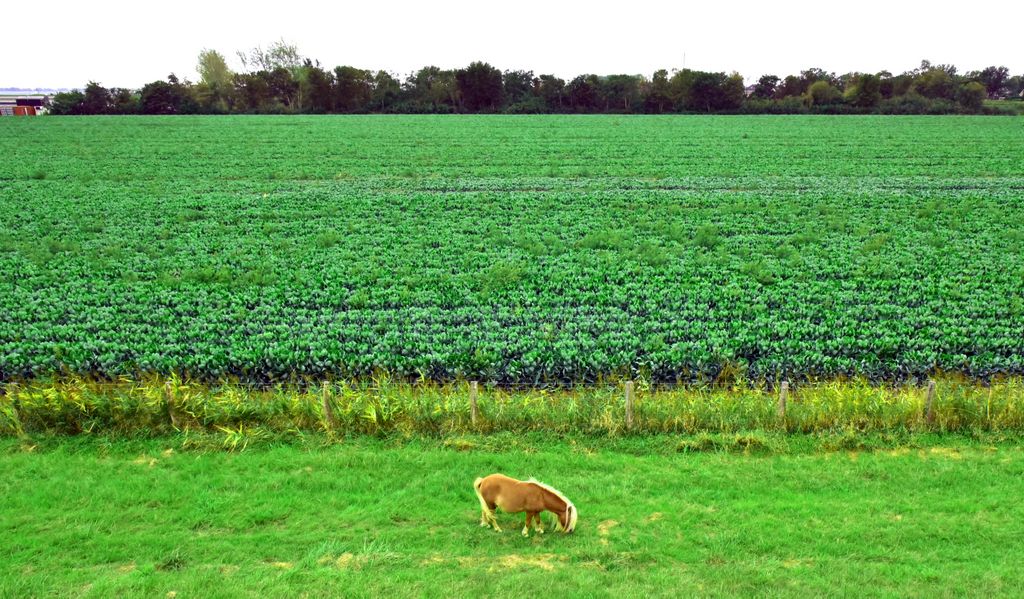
172 400
313 385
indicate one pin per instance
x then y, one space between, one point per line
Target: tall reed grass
153 407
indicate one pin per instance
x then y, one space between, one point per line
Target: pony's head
567 515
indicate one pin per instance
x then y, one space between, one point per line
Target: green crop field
512 249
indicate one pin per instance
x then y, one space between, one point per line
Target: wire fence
769 385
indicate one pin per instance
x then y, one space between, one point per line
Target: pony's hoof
483 525
526 533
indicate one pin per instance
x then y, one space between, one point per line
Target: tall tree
993 78
353 89
280 54
213 69
386 90
317 90
791 86
581 93
621 92
480 87
552 92
972 96
658 98
936 83
283 87
215 79
518 86
167 97
124 101
707 92
67 103
864 91
96 100
765 86
821 93
432 87
253 91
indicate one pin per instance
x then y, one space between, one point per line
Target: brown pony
531 496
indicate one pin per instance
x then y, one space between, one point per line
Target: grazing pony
531 496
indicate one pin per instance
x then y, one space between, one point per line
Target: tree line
279 80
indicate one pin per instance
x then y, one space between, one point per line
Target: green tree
518 86
552 91
213 69
96 99
821 93
621 92
765 87
658 97
733 92
353 89
702 91
283 87
972 95
480 87
386 90
253 91
864 91
317 90
215 81
431 88
935 83
67 103
791 86
581 93
280 54
813 75
993 78
124 101
166 97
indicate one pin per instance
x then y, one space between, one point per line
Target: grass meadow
394 518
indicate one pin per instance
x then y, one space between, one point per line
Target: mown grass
391 518
383 407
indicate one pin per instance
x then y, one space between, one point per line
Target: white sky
128 43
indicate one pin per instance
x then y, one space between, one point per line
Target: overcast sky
128 43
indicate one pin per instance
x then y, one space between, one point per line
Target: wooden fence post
783 396
325 399
929 414
169 403
472 402
629 405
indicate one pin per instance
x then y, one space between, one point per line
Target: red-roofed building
23 105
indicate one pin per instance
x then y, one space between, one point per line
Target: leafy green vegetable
514 249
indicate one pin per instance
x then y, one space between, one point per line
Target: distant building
23 105
749 90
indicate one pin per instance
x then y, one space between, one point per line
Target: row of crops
512 249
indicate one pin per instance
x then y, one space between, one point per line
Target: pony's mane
552 490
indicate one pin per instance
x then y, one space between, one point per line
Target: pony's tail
483 504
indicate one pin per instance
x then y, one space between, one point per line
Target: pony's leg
493 514
529 516
538 524
492 519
